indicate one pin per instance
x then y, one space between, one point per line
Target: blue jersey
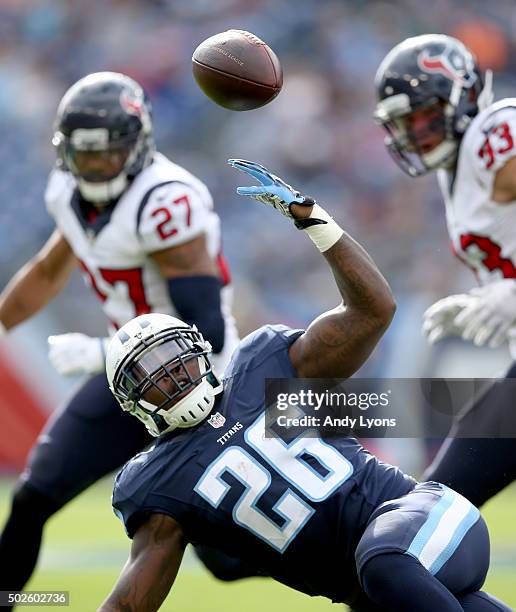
297 510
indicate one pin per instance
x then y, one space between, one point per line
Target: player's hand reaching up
77 354
274 192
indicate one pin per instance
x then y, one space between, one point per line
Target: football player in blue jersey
324 517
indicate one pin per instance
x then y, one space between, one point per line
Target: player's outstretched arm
40 280
151 569
338 342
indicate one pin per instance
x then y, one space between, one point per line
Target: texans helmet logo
451 64
131 104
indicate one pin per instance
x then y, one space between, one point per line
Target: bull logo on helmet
451 63
131 103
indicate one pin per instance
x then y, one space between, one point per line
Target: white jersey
482 232
165 206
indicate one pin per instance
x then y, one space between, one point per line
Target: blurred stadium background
318 134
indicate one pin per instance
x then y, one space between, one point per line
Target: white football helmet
158 369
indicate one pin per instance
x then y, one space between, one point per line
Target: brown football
237 70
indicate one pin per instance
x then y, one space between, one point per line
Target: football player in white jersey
144 232
438 112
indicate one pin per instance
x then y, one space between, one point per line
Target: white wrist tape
324 235
3 329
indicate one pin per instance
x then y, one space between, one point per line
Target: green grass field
85 548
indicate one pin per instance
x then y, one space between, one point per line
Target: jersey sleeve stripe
487 124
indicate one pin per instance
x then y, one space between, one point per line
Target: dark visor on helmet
165 373
415 134
90 154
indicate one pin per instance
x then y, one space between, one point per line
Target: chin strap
486 96
441 156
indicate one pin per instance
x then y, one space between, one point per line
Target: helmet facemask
421 138
168 382
100 167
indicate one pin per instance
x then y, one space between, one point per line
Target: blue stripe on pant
436 526
447 524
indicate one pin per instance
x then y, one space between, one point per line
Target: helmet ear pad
104 112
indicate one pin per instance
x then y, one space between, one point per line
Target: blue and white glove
274 192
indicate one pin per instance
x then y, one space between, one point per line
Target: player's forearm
27 293
40 280
143 585
361 285
197 301
126 598
150 572
338 342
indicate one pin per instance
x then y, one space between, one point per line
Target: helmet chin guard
442 156
159 370
188 412
102 192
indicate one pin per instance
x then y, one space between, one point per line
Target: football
237 70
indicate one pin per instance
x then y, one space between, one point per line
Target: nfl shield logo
217 420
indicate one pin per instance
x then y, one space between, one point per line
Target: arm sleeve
197 301
172 214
